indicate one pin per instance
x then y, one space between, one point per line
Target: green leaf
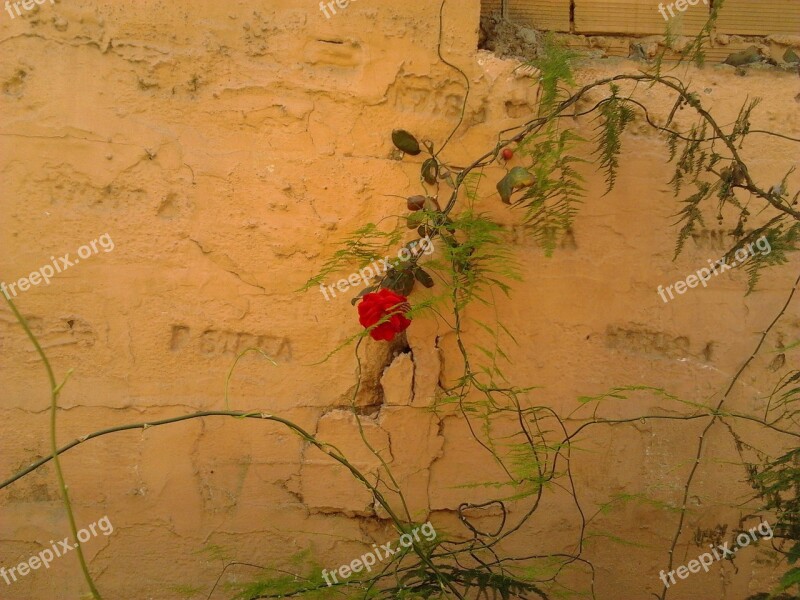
405 142
790 578
794 554
745 57
517 178
415 219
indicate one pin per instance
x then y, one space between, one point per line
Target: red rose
376 307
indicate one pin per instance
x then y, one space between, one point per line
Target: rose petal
383 332
376 307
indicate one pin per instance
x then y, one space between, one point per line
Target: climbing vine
473 262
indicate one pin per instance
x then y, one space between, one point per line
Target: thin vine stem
55 390
701 442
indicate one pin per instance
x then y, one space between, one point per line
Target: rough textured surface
227 147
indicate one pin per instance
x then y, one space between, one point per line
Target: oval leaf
415 203
432 204
405 142
424 278
515 179
430 171
414 220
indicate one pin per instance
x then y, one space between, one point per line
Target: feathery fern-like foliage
781 240
551 201
364 246
479 256
555 63
691 215
615 115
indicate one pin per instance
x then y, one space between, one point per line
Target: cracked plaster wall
226 147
